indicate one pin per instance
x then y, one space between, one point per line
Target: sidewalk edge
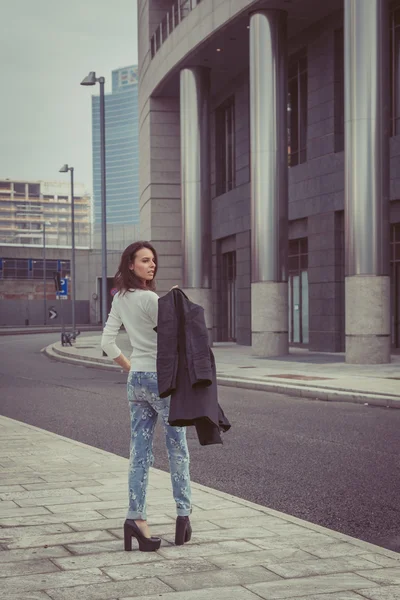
284 516
51 353
314 393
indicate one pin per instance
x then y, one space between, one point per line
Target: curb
314 393
327 394
29 331
95 363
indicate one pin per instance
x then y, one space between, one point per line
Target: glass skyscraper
122 158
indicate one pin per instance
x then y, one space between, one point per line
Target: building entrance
229 296
395 283
298 291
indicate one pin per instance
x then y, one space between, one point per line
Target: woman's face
144 264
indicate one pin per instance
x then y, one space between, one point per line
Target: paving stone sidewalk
62 507
313 375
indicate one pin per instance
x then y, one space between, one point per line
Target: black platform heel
145 544
183 531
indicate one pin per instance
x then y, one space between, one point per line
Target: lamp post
65 169
44 272
91 79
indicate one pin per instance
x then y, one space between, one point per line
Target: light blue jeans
145 406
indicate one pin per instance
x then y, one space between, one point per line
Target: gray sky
46 48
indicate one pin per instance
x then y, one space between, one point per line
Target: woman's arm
123 362
109 336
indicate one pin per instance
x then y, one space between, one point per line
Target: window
34 190
395 242
298 255
395 70
19 189
37 269
339 90
5 185
225 147
297 108
15 268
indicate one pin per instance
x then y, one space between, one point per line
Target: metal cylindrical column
196 188
269 162
367 104
73 272
269 181
44 275
195 177
104 307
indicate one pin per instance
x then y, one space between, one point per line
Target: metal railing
174 16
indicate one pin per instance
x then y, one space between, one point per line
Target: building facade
27 289
269 168
25 206
122 159
36 242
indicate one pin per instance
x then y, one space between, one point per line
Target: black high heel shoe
145 544
183 531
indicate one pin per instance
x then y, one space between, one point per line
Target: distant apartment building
25 206
122 159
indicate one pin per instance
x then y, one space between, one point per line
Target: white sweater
137 310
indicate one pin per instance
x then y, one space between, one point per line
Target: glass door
229 295
298 292
395 283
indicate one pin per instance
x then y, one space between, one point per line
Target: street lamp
91 79
44 271
65 169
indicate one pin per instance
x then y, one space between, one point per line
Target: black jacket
186 368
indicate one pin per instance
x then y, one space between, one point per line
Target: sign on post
62 293
53 314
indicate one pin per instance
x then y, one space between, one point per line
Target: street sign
113 291
63 293
53 314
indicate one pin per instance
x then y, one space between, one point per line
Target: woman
136 307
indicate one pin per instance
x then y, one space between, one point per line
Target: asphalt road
334 464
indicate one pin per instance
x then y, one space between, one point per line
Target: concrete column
269 182
367 182
196 187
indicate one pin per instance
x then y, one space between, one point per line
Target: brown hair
125 279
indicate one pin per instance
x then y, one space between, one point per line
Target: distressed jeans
145 406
